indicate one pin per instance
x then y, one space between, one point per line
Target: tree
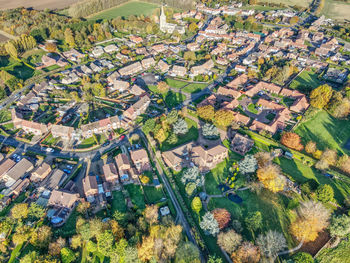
76 241
162 87
160 135
248 165
149 126
214 259
19 211
146 249
105 242
193 27
292 140
69 38
253 221
41 237
67 255
151 214
196 205
22 234
187 253
320 96
56 247
51 47
303 257
229 241
189 56
206 112
222 216
36 211
293 20
340 226
180 127
310 147
329 156
192 175
325 193
224 118
11 49
271 243
190 188
344 163
312 218
263 158
210 131
271 177
246 253
172 117
209 224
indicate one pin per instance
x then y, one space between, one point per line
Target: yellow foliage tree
206 112
271 177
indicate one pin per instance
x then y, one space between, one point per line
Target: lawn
194 87
5 115
339 254
306 81
192 135
118 202
50 140
173 99
272 207
326 131
252 108
136 195
175 83
87 143
301 173
125 10
304 3
153 195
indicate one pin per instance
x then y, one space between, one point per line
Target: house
241 144
163 66
64 132
73 55
111 49
63 199
136 90
140 160
238 82
111 174
6 166
179 157
207 159
241 119
120 85
138 108
263 86
202 69
52 181
124 167
131 69
227 92
90 188
148 62
240 68
98 51
135 39
17 171
40 172
178 71
20 186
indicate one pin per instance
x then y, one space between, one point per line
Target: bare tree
271 243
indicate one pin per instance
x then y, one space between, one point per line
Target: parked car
106 144
122 137
50 150
67 171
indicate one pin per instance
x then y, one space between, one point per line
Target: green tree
11 49
303 257
196 205
325 193
190 188
69 37
36 211
105 242
67 255
187 253
320 96
253 221
340 226
193 27
189 56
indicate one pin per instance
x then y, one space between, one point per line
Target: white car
50 150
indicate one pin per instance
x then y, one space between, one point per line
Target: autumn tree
41 236
51 47
271 243
310 147
246 253
196 205
224 118
263 158
162 87
189 56
293 20
55 247
292 140
146 249
344 163
19 211
193 27
270 176
320 96
69 37
229 241
206 112
151 214
222 216
312 217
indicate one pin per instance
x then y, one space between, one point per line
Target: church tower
162 19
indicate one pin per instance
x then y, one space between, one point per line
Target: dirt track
36 4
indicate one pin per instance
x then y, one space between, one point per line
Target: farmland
125 10
336 10
36 4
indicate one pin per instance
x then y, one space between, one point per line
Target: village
163 119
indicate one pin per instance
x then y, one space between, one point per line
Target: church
168 27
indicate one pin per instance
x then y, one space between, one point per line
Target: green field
153 195
136 195
175 83
326 131
118 202
194 87
306 81
125 10
87 143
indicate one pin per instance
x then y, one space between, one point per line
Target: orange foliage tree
292 140
222 216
